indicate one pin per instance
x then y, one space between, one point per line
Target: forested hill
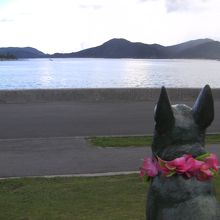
22 52
122 48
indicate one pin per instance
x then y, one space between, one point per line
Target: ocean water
108 73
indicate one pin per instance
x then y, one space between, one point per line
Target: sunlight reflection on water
107 73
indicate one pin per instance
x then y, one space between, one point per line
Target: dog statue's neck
169 148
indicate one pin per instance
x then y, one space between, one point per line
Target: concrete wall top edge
112 88
97 94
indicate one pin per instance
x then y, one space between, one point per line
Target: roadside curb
75 175
73 137
84 137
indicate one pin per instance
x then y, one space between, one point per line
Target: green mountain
22 52
121 48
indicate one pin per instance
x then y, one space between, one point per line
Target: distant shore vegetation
7 57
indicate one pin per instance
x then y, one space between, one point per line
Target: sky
72 25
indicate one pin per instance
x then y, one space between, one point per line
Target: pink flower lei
203 167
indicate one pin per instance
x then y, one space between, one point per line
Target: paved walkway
66 156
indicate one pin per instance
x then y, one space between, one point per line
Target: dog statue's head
180 129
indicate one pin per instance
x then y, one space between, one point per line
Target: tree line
7 57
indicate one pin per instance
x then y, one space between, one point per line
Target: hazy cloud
181 5
91 6
147 0
177 5
6 20
185 5
83 45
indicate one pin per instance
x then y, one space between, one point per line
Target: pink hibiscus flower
203 167
179 165
149 167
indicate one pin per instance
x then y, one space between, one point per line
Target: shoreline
98 95
7 59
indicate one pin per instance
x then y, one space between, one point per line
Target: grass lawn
77 198
138 141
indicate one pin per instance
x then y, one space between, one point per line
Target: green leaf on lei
171 173
202 157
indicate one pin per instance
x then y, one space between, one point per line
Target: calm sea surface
106 73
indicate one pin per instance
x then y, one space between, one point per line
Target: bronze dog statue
180 130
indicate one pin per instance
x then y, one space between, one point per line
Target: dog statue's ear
163 113
203 109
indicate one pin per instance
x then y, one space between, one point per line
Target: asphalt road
66 156
63 156
81 119
30 143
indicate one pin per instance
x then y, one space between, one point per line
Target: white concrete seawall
98 94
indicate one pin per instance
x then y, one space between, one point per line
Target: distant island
122 48
22 52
